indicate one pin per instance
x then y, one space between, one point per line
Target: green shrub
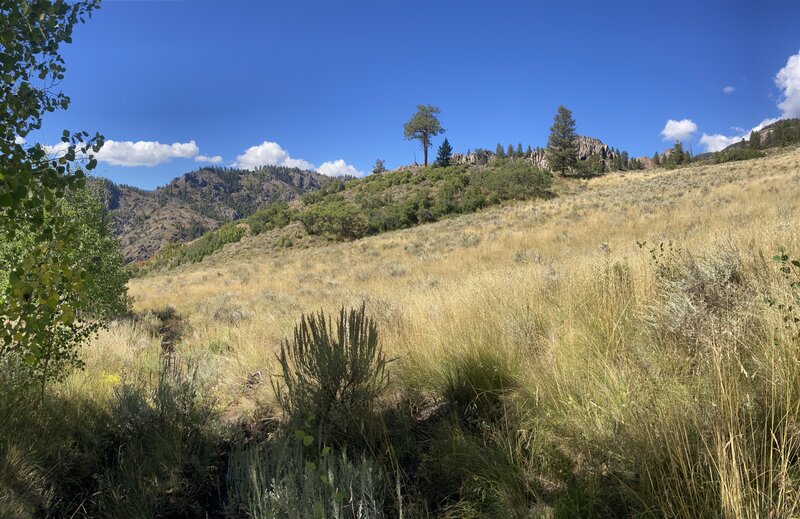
737 154
335 218
274 216
175 254
332 376
515 181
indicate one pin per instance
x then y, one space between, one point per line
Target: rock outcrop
587 146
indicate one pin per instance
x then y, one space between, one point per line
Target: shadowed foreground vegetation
629 348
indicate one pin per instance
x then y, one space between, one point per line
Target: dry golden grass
560 291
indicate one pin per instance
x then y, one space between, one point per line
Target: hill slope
608 352
197 202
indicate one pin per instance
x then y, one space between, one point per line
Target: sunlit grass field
617 350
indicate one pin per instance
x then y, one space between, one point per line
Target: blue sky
329 84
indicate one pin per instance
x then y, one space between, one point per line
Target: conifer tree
677 153
499 151
444 154
656 159
562 146
519 150
529 151
510 151
755 140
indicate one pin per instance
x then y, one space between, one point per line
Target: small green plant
331 375
790 310
292 479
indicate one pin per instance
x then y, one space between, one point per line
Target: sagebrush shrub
332 376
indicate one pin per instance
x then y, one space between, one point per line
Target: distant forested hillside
197 202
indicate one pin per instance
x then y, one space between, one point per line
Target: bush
333 377
175 254
274 216
335 218
514 181
212 242
737 154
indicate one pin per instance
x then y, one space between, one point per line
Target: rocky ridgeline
587 146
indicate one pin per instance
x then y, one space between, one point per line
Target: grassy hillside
627 348
342 210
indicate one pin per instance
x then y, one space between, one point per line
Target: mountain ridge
197 202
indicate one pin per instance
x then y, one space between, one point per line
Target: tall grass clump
730 445
292 480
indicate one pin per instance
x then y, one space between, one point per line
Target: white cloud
272 154
140 153
678 130
729 89
56 149
269 154
19 140
205 158
718 142
145 153
339 168
788 80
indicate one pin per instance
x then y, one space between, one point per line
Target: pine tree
444 154
423 125
656 159
562 146
510 151
755 140
499 151
677 153
529 151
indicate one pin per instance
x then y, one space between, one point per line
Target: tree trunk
425 147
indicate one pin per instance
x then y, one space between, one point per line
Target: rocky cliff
587 146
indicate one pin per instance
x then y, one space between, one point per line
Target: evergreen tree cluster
513 152
621 161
